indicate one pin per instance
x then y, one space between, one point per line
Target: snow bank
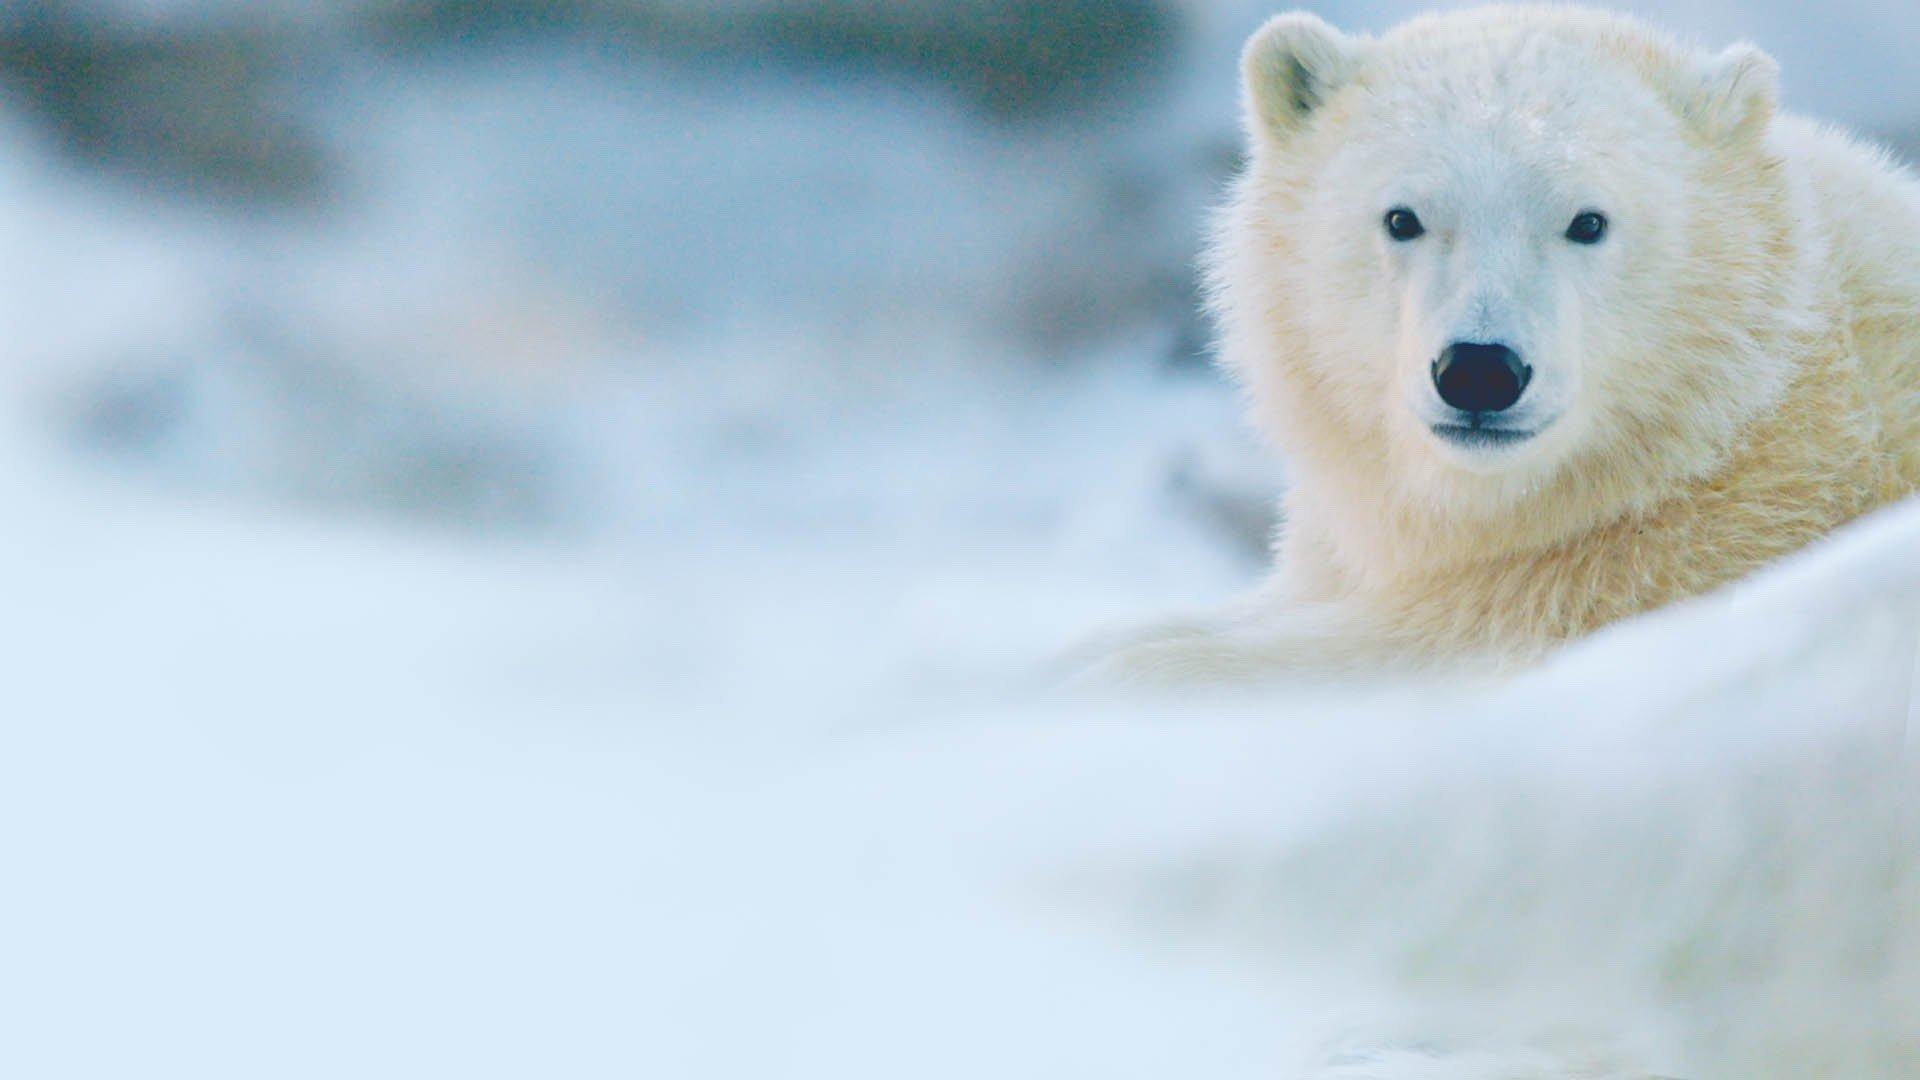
291 798
1683 848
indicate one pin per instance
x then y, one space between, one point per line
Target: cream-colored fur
1731 373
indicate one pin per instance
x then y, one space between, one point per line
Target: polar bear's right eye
1403 224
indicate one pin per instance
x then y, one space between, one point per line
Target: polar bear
1554 320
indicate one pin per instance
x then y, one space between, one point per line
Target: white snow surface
290 798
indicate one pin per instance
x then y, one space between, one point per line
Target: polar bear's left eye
1404 225
1588 228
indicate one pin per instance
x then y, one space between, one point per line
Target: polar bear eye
1403 224
1588 228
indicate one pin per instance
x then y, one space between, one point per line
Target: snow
294 798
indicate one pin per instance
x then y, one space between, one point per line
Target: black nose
1480 378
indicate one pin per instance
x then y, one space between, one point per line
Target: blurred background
439 439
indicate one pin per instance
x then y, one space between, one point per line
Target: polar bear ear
1734 93
1291 66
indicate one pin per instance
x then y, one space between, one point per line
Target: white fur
1731 372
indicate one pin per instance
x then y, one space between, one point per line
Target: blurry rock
202 106
424 23
1906 144
134 411
1014 58
1232 487
257 415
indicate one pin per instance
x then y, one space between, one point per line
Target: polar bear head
1502 253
